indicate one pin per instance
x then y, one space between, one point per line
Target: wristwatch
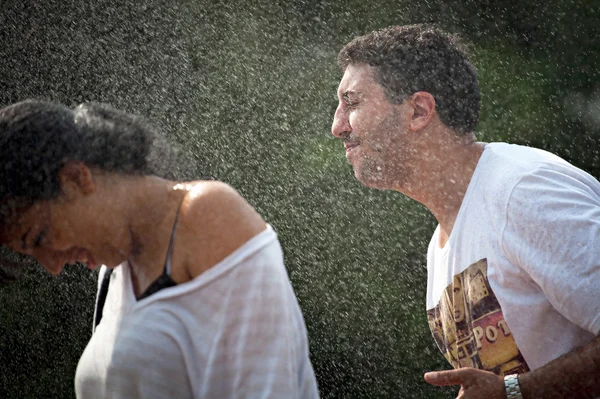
511 384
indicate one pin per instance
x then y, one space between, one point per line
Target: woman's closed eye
39 239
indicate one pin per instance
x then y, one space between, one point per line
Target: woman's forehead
16 219
9 233
12 209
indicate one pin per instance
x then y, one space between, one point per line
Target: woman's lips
81 255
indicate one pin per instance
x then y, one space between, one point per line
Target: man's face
374 130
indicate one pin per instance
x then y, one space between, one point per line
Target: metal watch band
511 384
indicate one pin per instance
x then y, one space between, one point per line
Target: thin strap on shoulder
102 297
167 269
165 280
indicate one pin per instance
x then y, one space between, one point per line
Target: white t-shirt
235 331
518 282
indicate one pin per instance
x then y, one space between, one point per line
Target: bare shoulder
215 221
219 201
210 190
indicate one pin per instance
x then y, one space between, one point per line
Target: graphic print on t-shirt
469 327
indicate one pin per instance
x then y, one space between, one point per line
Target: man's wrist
513 389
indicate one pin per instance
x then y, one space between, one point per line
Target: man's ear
423 105
76 179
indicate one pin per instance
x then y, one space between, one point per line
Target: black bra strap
167 268
102 297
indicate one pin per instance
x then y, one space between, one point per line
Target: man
513 295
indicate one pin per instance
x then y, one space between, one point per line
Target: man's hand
475 384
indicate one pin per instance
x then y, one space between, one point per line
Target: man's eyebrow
23 237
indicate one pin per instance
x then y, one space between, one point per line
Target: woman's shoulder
201 190
219 201
215 220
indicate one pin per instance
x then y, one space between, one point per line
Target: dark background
246 90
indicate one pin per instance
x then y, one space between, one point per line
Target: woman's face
51 232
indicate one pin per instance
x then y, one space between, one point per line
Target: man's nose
341 124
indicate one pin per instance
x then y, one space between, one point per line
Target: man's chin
372 181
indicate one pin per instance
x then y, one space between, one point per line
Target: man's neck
443 179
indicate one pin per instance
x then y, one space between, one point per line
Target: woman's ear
75 179
423 104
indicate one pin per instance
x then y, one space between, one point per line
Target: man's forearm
573 375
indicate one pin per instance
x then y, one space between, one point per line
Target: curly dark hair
413 58
37 138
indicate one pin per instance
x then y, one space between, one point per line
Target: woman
198 305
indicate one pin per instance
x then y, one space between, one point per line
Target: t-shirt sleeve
552 231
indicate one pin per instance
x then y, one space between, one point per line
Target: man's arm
574 375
